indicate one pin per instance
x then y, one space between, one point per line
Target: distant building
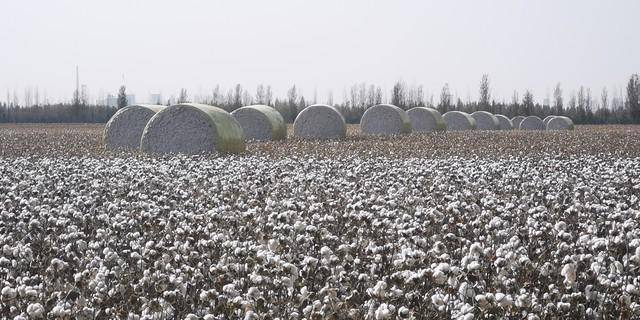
155 98
112 100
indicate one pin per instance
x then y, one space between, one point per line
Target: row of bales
196 128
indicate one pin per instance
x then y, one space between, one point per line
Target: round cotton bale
192 128
547 119
560 123
320 121
459 121
426 120
486 120
124 129
385 119
532 123
505 123
516 121
261 123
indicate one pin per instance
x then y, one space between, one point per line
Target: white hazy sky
162 46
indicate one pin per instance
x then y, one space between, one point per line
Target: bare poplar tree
485 94
268 96
557 100
330 98
122 97
260 94
398 94
633 98
445 99
528 103
183 97
604 98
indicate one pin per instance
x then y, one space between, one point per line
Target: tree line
582 105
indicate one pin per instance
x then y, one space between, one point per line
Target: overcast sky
162 46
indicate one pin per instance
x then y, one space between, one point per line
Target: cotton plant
379 238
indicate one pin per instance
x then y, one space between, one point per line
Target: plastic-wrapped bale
486 120
505 123
560 123
516 121
547 119
459 121
426 120
261 123
192 128
124 129
385 119
532 123
320 121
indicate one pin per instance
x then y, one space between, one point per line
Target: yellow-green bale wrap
261 123
560 123
192 128
459 121
426 120
385 119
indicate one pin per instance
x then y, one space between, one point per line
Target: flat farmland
468 225
85 140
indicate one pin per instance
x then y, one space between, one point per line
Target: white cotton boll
468 316
437 300
503 300
325 251
403 312
35 310
473 266
250 315
439 277
564 306
589 293
382 312
378 290
560 226
630 288
230 289
9 293
465 291
475 250
569 274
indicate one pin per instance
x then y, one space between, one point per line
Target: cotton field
464 225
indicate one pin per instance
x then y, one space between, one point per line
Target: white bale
532 123
516 121
124 129
192 128
486 120
505 123
261 123
560 123
385 119
426 120
458 121
547 119
320 121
